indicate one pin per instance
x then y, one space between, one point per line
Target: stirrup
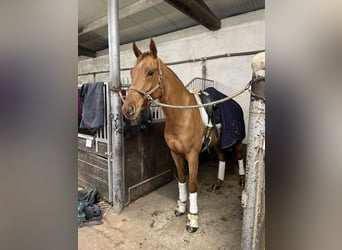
205 144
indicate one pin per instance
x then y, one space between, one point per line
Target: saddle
213 112
210 116
228 116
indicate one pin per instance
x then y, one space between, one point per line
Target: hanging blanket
232 121
93 106
79 105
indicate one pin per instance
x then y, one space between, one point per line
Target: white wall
240 33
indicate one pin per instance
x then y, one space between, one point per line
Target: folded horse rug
232 121
93 106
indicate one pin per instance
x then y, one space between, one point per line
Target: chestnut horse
184 129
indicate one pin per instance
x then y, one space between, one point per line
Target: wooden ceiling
140 19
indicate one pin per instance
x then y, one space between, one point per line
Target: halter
148 94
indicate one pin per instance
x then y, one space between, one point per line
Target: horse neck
174 91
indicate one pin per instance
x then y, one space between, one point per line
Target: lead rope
209 103
148 94
198 105
121 97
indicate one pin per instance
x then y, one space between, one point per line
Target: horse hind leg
183 194
239 156
221 169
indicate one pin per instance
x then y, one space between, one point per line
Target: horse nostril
131 110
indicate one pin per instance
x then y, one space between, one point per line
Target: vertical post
204 69
116 114
109 145
253 196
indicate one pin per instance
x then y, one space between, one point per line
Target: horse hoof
177 213
191 229
242 180
180 208
192 223
215 187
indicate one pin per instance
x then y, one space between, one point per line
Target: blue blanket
232 121
93 106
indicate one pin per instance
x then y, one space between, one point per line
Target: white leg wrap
221 169
241 169
183 194
192 220
181 207
193 203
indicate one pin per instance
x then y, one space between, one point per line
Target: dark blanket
93 106
232 121
79 104
89 213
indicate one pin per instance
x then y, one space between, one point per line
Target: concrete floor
150 223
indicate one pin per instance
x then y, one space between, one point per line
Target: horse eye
150 73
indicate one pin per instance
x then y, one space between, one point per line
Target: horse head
146 77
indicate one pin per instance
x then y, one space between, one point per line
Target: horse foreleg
239 157
221 169
183 194
192 218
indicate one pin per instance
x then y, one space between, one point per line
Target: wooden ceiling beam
82 51
198 11
123 12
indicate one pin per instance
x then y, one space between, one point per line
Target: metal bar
116 114
104 91
100 135
204 83
84 136
102 140
253 194
247 53
109 146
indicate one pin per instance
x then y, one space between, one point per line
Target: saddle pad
206 121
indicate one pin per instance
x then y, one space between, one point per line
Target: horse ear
153 48
137 51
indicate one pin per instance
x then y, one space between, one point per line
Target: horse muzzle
129 111
133 105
